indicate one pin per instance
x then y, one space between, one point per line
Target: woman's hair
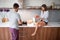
15 5
44 5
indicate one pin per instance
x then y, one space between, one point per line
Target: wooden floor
25 33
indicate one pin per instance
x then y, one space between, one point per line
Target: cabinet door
5 34
20 33
42 33
58 35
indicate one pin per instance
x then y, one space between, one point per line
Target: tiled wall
54 15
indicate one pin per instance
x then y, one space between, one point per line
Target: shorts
45 22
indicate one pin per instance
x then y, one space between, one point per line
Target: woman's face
43 9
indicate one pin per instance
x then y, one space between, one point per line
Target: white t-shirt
44 15
13 18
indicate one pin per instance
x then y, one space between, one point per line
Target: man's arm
19 19
19 22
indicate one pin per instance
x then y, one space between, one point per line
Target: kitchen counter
50 24
49 32
43 33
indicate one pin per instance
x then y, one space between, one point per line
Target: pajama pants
14 34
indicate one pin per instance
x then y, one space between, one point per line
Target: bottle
33 20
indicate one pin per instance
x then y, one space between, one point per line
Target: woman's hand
42 19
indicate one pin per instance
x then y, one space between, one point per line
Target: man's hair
15 5
44 5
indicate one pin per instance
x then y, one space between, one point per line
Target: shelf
33 8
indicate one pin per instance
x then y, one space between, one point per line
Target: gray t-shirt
13 18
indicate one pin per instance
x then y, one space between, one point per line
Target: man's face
16 9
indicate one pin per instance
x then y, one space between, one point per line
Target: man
14 19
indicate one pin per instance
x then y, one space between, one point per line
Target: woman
43 18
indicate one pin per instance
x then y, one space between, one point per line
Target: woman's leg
41 24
